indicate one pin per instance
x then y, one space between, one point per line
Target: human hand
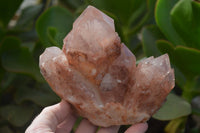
59 118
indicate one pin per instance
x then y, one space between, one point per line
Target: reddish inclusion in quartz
97 74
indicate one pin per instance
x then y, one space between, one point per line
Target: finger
50 117
67 125
86 127
138 128
112 129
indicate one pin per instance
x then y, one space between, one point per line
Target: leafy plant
176 34
147 27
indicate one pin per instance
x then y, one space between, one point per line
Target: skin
59 118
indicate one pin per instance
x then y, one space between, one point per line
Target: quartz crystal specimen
98 76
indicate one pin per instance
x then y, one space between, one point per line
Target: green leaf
179 77
28 17
51 33
30 45
125 10
57 18
150 35
166 47
38 50
16 115
6 81
72 4
7 10
18 59
174 107
42 95
175 126
151 5
186 20
163 20
187 59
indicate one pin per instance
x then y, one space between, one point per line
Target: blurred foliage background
147 27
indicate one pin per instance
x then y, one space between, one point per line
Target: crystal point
97 74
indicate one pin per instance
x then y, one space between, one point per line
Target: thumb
50 117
